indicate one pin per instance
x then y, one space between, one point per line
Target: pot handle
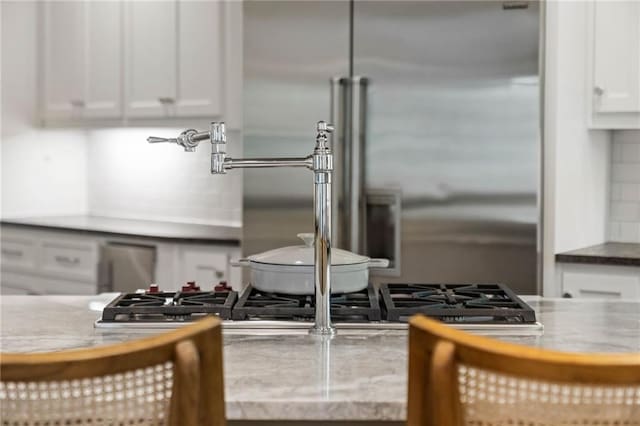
308 238
240 262
378 263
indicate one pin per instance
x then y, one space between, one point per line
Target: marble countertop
626 254
354 376
179 232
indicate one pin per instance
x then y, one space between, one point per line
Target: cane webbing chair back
172 379
456 379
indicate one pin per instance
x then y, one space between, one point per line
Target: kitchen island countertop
355 376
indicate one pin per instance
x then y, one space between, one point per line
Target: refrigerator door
453 122
291 51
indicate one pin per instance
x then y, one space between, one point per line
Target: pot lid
303 255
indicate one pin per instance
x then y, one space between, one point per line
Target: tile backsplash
624 213
129 178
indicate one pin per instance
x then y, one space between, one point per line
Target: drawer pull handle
12 253
166 100
67 260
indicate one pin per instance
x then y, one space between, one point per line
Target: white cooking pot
289 270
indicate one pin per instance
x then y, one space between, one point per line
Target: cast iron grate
255 304
455 303
169 306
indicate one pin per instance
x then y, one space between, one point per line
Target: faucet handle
323 126
218 147
188 139
217 132
155 139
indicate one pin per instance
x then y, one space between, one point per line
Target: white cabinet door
617 56
103 89
150 65
200 59
63 54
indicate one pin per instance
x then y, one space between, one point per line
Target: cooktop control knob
222 286
190 286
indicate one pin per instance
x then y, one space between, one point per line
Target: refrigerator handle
358 138
337 111
348 112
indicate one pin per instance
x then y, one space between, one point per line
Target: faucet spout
321 163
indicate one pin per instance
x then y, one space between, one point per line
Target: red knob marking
222 286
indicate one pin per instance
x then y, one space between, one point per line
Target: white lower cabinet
207 266
614 64
598 281
59 262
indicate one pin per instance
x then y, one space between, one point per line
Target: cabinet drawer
18 283
74 259
19 253
605 283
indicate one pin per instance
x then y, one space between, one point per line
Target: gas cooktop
358 306
455 303
479 304
154 305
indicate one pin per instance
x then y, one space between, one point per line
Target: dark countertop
174 231
625 254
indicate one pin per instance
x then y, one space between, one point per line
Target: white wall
624 223
130 178
577 159
43 172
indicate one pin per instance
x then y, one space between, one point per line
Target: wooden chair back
172 379
456 378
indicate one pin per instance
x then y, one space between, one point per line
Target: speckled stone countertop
355 376
625 254
178 232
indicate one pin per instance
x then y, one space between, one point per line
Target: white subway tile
169 185
628 136
624 211
626 173
629 232
616 191
629 191
617 153
630 152
614 231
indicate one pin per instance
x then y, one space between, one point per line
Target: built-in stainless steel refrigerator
437 142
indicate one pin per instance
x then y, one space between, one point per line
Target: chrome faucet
321 163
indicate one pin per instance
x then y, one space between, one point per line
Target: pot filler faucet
321 163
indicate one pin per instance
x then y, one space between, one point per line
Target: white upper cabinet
142 60
103 63
614 28
63 40
200 59
151 58
82 60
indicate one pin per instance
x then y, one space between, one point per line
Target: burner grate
164 306
358 306
455 303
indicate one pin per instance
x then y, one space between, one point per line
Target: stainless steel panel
266 327
453 122
126 267
291 50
